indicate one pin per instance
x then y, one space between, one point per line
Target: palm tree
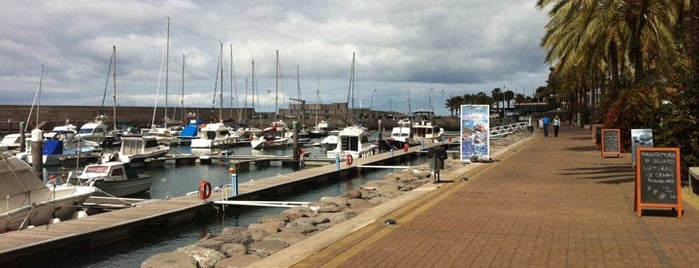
508 96
497 97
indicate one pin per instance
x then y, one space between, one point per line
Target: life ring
349 159
204 189
405 147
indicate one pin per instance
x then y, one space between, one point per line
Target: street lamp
372 100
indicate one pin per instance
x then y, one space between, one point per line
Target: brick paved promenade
553 202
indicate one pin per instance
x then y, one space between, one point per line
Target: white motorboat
214 135
354 141
423 128
27 201
64 132
95 131
270 138
330 141
136 149
401 135
113 178
164 136
13 141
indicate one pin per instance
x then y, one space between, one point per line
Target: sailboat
276 135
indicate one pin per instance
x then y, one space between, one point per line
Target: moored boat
423 128
354 141
271 137
113 178
214 135
30 202
136 149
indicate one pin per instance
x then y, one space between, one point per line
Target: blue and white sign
475 127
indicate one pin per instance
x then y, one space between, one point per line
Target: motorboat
214 135
136 149
330 141
423 128
320 130
55 152
401 135
354 141
270 138
64 132
94 131
13 141
113 179
164 136
27 201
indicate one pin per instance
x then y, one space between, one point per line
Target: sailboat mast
276 88
317 105
167 66
38 106
182 91
350 92
232 95
114 92
220 95
253 88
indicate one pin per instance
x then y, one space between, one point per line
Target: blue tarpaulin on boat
52 147
189 131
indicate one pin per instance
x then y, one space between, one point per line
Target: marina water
171 181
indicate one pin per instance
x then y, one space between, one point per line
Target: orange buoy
405 147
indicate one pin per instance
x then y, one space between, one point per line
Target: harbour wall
141 117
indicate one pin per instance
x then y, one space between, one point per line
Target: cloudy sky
410 54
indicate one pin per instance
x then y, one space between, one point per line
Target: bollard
422 144
391 152
337 162
234 182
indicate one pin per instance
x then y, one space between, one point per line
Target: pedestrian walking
545 120
556 125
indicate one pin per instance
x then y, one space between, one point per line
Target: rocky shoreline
242 246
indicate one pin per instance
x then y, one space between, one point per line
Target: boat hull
123 188
67 200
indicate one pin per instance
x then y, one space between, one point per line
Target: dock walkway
103 228
551 203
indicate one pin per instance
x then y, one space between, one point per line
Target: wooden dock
100 229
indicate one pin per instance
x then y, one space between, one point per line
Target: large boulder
297 212
206 257
354 193
240 235
288 237
269 227
265 248
170 259
233 249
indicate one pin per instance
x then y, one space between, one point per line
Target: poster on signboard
475 127
641 137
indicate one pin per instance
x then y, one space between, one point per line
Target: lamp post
372 100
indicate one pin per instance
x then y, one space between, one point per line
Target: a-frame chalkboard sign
611 143
658 182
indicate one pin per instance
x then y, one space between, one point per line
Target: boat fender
349 159
204 189
405 147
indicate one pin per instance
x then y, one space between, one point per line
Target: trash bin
437 156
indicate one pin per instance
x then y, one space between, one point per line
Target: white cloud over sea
403 49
